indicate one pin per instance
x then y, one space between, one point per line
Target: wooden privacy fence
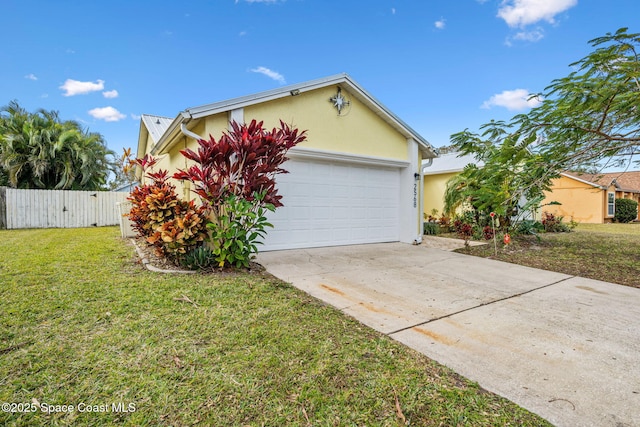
59 208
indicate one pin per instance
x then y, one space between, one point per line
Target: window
611 204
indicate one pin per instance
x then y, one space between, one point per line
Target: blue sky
440 65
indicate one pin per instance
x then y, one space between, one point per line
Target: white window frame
611 204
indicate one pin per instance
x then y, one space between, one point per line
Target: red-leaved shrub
243 162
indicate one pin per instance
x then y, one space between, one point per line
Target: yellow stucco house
436 173
356 179
590 198
585 198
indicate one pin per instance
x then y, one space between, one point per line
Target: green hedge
626 210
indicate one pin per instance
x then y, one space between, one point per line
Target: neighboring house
356 179
590 198
126 188
436 174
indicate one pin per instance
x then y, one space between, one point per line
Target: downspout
429 162
187 132
420 204
427 165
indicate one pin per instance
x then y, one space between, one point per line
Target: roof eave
443 172
584 181
365 97
169 137
362 95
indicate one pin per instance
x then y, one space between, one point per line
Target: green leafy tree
591 117
494 187
38 150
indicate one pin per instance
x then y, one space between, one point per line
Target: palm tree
82 159
40 151
460 191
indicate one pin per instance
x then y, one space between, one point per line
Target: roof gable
581 177
156 125
173 129
624 181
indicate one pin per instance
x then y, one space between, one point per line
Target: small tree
124 170
626 210
588 117
235 178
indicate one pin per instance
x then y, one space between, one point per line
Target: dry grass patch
607 252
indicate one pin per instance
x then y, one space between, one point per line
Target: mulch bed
167 266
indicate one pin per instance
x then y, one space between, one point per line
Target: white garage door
330 204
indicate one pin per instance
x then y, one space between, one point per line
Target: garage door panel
300 213
359 214
341 214
338 191
328 204
359 233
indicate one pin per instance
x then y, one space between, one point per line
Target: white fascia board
236 103
389 117
361 94
142 140
257 98
165 142
584 181
442 172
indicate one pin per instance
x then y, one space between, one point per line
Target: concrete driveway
564 347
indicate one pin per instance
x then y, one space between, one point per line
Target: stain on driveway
563 347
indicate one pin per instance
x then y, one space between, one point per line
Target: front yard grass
607 252
82 324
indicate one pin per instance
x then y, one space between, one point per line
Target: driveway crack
479 305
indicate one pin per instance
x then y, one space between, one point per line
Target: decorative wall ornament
340 102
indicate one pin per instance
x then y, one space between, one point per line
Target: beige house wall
434 189
579 201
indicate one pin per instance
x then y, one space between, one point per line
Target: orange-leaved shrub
172 226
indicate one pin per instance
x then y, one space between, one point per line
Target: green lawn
82 324
608 252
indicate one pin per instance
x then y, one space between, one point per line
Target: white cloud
242 33
530 36
31 77
269 73
110 94
513 100
75 87
440 24
393 10
519 13
108 114
135 116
